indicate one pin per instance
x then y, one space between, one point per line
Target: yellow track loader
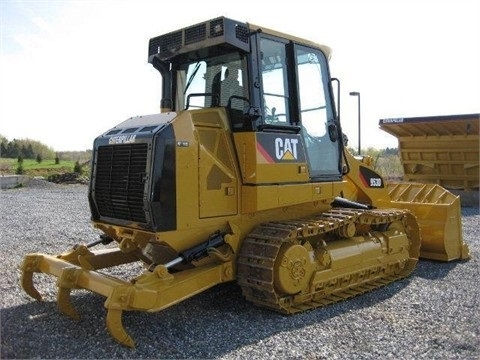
242 176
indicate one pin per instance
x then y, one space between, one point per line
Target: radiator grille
120 181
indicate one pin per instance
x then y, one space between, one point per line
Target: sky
70 70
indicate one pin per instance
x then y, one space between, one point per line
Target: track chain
256 261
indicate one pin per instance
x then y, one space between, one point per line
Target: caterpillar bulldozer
244 176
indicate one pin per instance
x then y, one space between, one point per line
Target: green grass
33 168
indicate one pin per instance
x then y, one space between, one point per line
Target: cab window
316 114
275 83
212 82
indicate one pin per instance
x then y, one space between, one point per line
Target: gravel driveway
434 314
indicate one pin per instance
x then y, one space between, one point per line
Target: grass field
33 168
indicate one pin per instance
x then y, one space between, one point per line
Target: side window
315 112
191 80
274 79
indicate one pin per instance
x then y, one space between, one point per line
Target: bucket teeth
116 329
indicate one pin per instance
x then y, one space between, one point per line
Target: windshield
212 82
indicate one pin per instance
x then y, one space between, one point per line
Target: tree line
24 148
33 149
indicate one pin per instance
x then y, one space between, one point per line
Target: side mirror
333 132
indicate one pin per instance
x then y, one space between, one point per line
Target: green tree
20 159
3 149
13 149
57 159
39 158
77 168
29 153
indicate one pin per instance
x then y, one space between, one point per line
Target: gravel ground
434 314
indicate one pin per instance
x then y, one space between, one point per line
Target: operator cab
267 81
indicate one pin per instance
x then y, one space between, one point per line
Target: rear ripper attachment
154 290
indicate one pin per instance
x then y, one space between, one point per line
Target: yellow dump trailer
442 150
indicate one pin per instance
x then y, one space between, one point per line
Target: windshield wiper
190 79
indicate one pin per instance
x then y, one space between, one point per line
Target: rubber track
260 249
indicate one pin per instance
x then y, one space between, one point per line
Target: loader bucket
439 216
437 210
